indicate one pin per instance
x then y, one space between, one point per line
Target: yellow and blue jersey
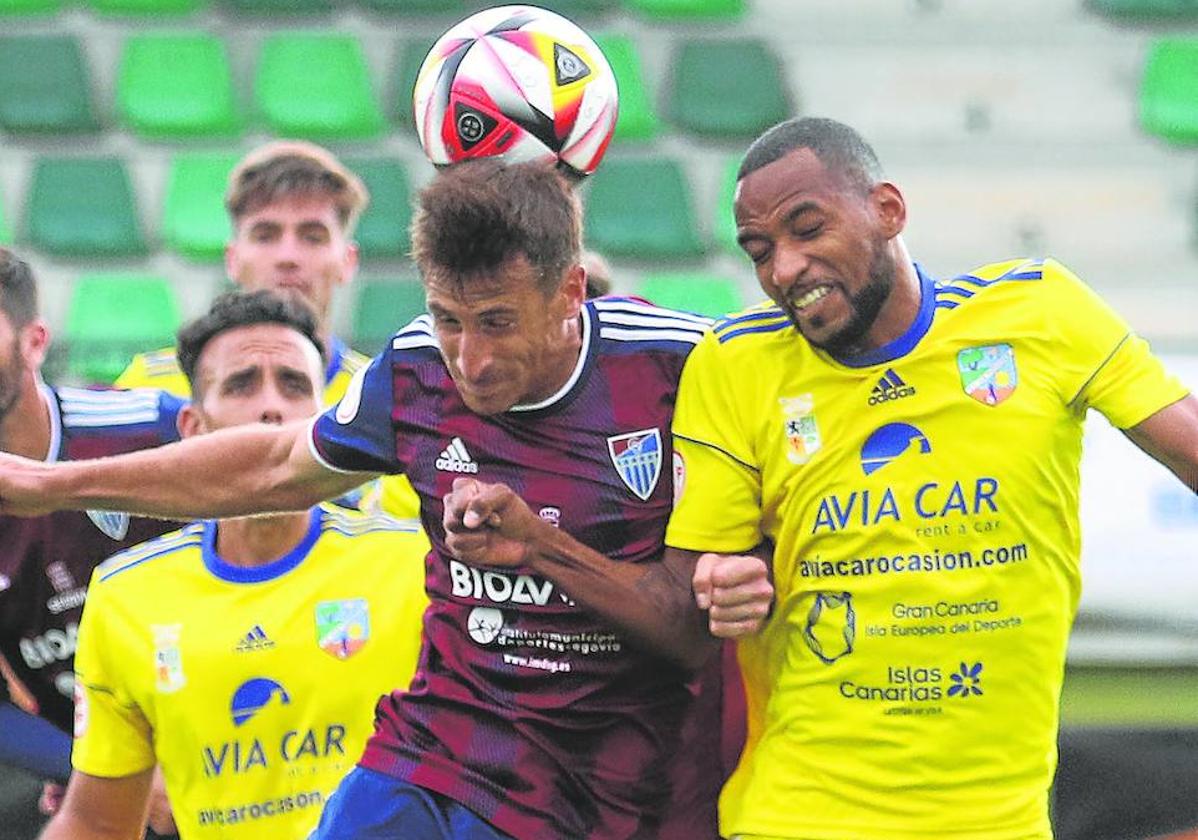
923 501
390 494
254 688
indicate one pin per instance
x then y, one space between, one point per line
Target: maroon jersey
46 561
528 709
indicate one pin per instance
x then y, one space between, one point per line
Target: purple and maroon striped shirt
526 708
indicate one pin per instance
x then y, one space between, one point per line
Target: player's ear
189 421
573 290
34 343
890 208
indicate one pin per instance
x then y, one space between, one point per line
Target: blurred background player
245 656
599 277
45 562
293 207
927 569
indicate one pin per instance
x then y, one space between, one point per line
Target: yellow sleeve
112 737
718 501
1105 366
158 369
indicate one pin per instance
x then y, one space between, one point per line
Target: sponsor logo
802 432
552 515
114 524
966 681
498 587
64 601
454 458
988 373
484 624
831 626
637 458
168 659
254 695
890 387
81 711
343 627
569 67
890 442
472 125
679 476
255 639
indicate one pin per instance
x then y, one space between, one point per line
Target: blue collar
337 351
258 574
906 342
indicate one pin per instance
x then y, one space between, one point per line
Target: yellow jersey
923 503
254 688
160 369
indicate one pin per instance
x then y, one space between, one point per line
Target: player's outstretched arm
1171 437
102 809
245 470
488 524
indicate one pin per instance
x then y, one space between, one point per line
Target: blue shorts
368 805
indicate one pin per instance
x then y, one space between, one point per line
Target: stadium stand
638 117
176 87
44 85
114 315
383 229
194 222
704 294
380 306
730 87
83 207
1168 107
642 207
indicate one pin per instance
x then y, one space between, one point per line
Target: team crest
114 524
637 456
988 373
342 627
168 659
802 432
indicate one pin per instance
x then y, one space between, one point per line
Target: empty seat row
112 316
657 9
318 85
80 207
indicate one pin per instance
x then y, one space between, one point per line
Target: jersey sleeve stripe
764 315
152 550
655 320
764 328
653 334
720 450
610 307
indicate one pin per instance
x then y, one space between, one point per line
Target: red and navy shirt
46 561
527 708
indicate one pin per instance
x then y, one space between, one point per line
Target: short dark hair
18 290
476 215
838 147
286 169
241 309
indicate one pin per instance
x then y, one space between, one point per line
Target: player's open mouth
818 293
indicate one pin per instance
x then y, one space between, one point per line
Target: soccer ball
518 82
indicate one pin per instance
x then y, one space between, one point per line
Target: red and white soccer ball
518 82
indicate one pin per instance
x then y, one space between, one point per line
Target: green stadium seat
83 207
113 316
573 9
641 208
176 86
278 8
1169 90
383 306
701 293
637 120
44 85
147 7
730 87
29 7
194 221
416 7
407 68
317 86
723 226
383 229
5 228
1146 10
688 9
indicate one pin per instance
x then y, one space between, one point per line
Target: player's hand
50 801
161 820
487 524
735 590
22 488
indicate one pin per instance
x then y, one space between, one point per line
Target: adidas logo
890 387
455 458
256 639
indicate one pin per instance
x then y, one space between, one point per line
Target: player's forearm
651 602
233 472
67 826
